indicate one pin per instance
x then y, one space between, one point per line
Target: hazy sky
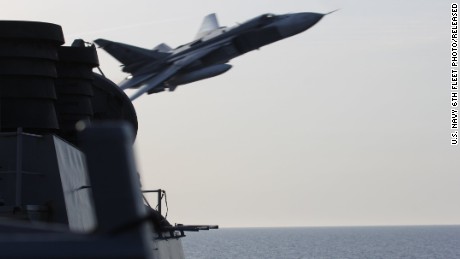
347 123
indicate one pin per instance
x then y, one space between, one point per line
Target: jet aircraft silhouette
162 68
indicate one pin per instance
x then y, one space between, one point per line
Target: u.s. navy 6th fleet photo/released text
454 76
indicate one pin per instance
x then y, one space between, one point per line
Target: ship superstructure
69 187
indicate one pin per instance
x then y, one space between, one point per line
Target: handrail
161 193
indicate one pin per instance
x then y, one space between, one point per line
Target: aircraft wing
135 82
158 79
128 54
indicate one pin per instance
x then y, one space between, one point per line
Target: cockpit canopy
261 20
266 18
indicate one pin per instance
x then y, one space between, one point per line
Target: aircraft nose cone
299 22
309 19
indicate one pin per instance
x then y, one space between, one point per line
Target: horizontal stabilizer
208 25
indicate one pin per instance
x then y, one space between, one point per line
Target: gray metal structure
162 68
69 187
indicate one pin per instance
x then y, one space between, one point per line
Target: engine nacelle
197 75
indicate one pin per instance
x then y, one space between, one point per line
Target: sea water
326 242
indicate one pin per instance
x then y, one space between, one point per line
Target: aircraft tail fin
208 25
128 54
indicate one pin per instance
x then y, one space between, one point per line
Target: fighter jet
162 68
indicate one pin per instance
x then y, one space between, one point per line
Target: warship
69 187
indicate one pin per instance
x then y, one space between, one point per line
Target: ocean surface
325 242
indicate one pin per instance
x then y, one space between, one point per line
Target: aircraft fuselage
203 57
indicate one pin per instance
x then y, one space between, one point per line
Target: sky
345 124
